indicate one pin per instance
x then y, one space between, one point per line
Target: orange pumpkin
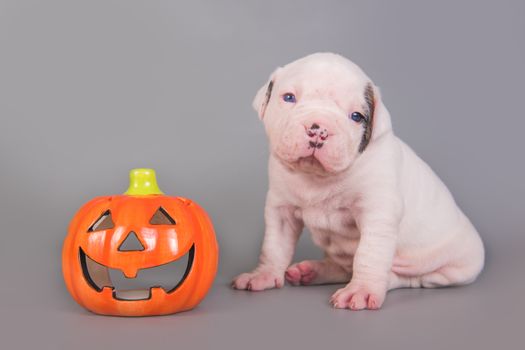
165 229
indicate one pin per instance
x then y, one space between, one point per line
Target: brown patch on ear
368 123
267 98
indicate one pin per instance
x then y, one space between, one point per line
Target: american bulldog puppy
380 214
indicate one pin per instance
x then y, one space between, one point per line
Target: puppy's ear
263 96
370 109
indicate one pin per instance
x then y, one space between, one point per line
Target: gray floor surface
485 315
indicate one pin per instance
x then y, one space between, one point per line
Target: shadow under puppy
382 217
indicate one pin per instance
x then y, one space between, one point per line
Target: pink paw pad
373 303
356 299
293 276
257 281
301 273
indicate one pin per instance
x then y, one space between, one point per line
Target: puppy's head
320 113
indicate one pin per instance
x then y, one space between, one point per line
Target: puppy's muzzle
317 135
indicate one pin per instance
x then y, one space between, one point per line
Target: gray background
91 89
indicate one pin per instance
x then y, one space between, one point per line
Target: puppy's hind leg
310 272
396 281
462 270
443 277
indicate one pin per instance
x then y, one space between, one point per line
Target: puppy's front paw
359 296
258 280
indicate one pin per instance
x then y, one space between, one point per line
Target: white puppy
381 215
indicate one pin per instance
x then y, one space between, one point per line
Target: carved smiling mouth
167 277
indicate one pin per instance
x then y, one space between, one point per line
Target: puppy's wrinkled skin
381 215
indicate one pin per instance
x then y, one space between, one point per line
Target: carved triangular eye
104 222
161 217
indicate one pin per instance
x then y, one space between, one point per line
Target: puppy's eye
357 117
289 97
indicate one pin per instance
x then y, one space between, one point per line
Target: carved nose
131 243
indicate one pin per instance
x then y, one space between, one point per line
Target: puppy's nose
315 131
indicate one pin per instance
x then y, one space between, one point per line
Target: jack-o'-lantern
164 230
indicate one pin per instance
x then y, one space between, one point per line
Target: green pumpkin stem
142 182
